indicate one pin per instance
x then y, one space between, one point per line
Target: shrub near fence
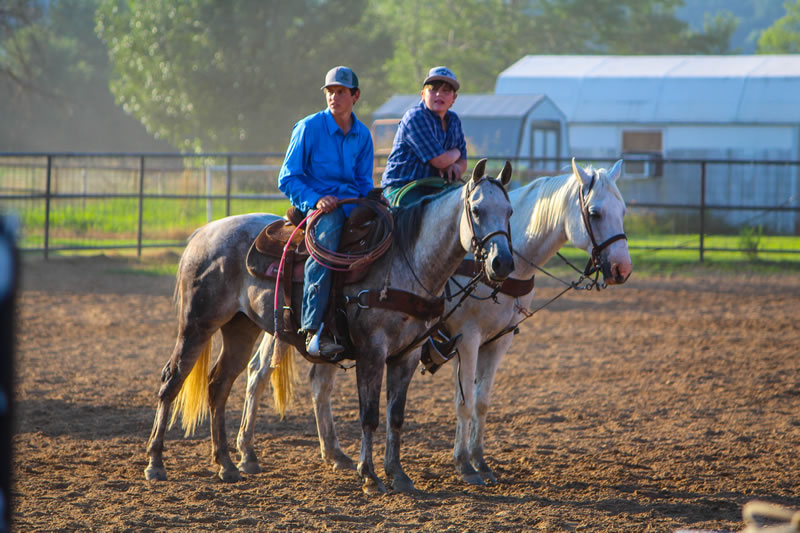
78 202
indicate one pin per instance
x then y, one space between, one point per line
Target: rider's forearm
446 159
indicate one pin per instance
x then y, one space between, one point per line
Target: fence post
47 205
141 207
702 207
228 186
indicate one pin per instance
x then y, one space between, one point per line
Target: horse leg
369 374
398 377
238 337
323 378
489 358
464 379
258 372
188 348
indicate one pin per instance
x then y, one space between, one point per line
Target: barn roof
493 124
655 89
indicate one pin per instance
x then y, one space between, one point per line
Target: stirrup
315 350
438 350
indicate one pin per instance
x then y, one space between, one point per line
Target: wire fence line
74 202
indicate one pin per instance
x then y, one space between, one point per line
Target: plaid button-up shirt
420 138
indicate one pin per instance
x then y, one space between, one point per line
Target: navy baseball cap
343 76
442 74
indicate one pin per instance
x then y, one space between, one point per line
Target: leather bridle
478 246
594 264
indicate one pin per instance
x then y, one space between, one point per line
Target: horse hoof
250 467
473 479
488 478
342 464
230 476
155 473
403 484
373 487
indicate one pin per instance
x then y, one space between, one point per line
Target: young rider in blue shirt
429 141
330 158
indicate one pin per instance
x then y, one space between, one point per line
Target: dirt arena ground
664 404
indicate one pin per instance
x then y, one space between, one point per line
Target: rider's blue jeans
317 281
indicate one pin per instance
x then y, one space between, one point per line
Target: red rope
283 258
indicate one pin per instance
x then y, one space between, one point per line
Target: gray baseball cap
343 76
442 74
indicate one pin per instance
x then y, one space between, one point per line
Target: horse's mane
406 219
551 194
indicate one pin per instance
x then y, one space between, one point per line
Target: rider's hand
452 173
326 204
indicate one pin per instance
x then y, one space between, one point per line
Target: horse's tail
283 376
191 400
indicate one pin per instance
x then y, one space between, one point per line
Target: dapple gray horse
215 292
547 214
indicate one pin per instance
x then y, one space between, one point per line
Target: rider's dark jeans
317 281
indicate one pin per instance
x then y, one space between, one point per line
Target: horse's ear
616 171
581 174
505 174
479 170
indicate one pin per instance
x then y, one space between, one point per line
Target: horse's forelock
611 184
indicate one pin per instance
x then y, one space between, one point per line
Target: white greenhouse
649 108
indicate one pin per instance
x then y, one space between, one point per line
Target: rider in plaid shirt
429 140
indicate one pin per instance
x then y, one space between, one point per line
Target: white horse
584 208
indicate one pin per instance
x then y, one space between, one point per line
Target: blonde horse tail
191 402
284 375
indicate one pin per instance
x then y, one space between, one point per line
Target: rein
478 246
478 250
593 266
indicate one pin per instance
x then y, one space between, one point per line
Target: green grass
646 263
687 262
112 222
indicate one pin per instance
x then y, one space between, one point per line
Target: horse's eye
475 212
594 213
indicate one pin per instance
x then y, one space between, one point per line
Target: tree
783 37
19 47
479 38
54 79
210 75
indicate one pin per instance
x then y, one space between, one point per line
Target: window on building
546 144
643 152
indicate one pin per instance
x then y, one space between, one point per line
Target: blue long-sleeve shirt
321 160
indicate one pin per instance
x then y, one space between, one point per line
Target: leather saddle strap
403 301
288 270
511 286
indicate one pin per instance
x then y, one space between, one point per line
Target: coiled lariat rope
335 260
342 262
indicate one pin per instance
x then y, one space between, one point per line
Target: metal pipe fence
77 202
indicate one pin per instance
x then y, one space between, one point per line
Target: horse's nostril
501 266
